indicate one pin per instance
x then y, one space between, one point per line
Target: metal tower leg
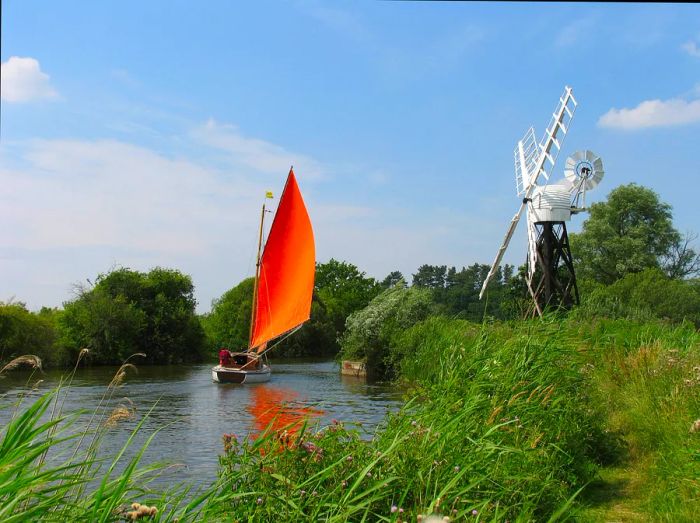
556 280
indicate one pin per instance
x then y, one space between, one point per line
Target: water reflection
276 407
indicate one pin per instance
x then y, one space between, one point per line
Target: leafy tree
228 323
316 337
371 331
644 295
110 327
457 292
23 332
340 289
128 311
630 232
430 276
343 289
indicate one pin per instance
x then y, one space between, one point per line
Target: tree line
630 261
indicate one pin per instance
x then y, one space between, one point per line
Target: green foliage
497 427
343 289
340 289
457 292
370 331
645 379
630 232
228 323
503 421
430 276
645 295
317 337
129 311
23 332
392 279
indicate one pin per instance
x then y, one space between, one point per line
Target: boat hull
221 374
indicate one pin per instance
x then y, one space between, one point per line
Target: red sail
287 267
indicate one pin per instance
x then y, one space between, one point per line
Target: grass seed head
28 359
121 413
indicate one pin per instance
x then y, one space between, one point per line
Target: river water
193 413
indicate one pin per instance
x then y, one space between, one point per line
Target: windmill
550 277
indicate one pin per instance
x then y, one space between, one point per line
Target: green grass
527 421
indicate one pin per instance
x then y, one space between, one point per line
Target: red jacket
224 357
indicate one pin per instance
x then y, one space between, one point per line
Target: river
193 413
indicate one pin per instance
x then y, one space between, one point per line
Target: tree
23 332
340 289
649 293
228 323
343 289
128 311
430 276
110 327
371 331
630 232
392 279
682 261
457 292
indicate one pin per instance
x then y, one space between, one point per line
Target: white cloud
71 209
691 47
23 81
255 153
109 193
653 113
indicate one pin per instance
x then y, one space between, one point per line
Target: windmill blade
531 246
551 142
583 172
530 162
526 154
502 250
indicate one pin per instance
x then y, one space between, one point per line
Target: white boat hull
221 374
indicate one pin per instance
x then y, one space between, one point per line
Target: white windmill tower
550 277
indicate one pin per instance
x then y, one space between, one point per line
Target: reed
522 421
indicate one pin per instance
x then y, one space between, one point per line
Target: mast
257 274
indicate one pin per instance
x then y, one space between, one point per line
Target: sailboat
284 282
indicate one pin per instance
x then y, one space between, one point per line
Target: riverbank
193 413
527 421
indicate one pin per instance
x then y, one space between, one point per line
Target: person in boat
224 357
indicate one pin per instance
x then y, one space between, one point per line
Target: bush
644 295
129 311
23 332
370 332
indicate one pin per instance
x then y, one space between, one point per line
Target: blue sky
140 134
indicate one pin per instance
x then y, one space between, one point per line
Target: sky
141 134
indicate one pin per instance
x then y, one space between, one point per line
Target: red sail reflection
276 408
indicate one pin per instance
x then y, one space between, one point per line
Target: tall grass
52 467
497 428
502 421
649 390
